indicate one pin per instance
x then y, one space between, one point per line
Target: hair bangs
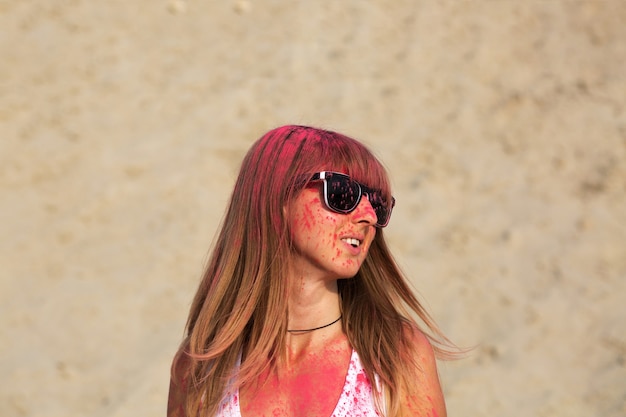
335 152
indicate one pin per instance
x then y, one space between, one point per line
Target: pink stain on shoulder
433 411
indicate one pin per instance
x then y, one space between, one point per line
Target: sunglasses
342 194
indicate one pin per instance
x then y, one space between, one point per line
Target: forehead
342 154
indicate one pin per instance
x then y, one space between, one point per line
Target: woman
302 310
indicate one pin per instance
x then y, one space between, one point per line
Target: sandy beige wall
122 124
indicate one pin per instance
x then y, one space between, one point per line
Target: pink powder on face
308 217
316 234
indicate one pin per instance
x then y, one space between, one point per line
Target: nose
364 212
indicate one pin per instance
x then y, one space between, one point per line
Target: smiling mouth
355 243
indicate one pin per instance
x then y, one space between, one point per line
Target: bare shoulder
418 338
424 398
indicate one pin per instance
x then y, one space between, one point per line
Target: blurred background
502 124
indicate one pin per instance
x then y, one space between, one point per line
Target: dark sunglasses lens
343 193
380 206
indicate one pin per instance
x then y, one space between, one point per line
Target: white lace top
356 400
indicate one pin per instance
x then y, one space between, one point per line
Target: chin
347 274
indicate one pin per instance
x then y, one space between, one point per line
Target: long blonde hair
239 307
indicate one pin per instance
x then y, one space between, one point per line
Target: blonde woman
302 310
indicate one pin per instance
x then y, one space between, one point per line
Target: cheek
312 223
314 227
304 217
313 217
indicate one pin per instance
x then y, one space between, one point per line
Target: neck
312 305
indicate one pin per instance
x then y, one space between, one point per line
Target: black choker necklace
315 328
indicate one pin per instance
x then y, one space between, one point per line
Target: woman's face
328 244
